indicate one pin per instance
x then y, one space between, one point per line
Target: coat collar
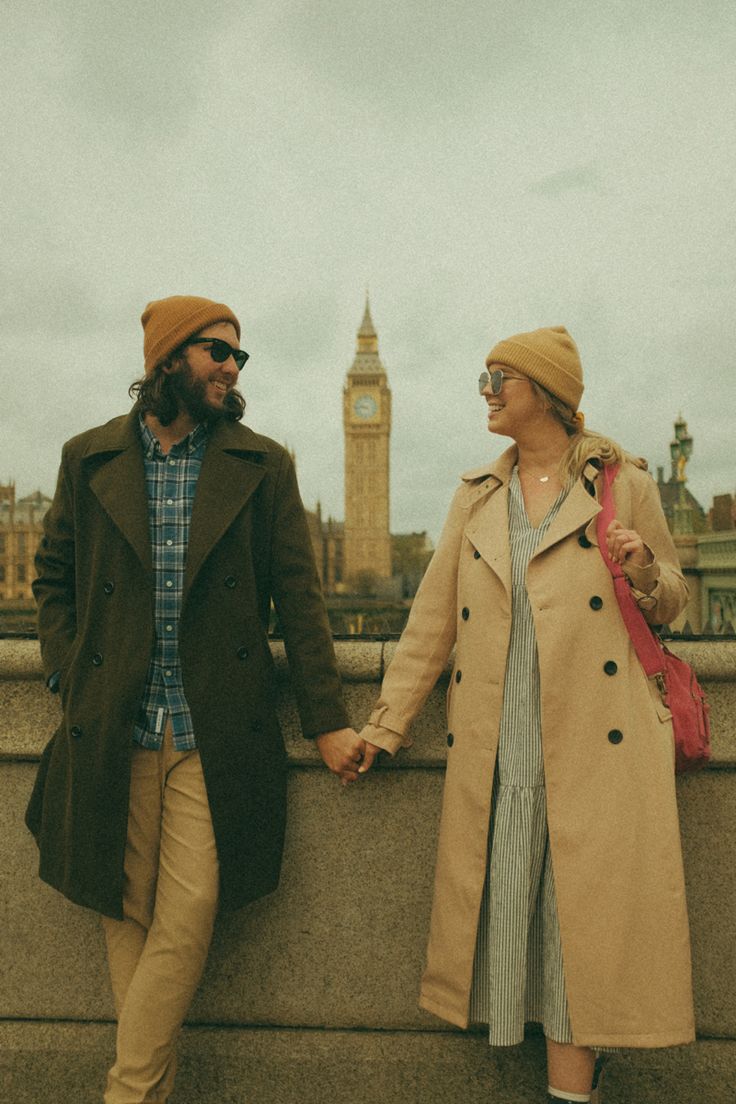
490 520
233 466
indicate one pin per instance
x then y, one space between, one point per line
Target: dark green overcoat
248 543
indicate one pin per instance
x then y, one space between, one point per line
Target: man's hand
342 752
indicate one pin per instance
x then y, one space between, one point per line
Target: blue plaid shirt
171 481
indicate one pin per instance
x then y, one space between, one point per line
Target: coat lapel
578 509
232 469
488 527
118 481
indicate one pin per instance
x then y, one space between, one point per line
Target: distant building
705 543
21 525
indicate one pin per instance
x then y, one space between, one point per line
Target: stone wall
310 995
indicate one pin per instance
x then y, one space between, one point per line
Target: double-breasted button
584 542
97 660
458 676
596 602
610 667
476 555
109 587
75 731
615 736
242 652
450 739
230 581
465 613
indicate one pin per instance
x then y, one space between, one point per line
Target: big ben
367 425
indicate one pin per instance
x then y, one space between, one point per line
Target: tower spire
367 344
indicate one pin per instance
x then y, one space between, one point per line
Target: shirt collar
152 446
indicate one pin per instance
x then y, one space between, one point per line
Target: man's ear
172 364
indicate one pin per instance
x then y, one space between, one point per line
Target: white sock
560 1094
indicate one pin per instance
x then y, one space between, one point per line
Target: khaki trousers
158 951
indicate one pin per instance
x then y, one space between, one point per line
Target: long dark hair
156 394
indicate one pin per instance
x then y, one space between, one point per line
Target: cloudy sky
484 166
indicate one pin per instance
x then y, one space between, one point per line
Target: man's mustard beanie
167 323
549 356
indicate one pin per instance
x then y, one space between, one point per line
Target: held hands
626 544
346 754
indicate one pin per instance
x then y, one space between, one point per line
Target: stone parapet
319 981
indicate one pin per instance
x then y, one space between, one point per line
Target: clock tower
367 425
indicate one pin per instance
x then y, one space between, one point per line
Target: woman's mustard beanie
549 356
167 323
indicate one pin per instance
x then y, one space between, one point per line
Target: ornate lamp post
681 449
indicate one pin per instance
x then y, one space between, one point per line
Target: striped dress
517 974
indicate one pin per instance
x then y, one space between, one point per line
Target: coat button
465 614
596 602
97 660
75 731
584 542
242 652
450 739
476 555
109 587
230 581
610 667
615 736
458 676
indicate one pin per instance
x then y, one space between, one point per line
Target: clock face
365 406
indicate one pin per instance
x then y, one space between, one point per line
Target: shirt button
458 676
168 674
596 602
75 731
172 462
169 502
476 555
97 659
230 581
610 667
242 652
465 614
109 587
450 739
169 543
169 628
615 736
169 583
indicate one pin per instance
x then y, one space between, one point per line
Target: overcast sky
485 166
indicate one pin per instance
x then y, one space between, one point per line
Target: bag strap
646 644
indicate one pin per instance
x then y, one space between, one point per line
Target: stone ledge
43 1062
30 714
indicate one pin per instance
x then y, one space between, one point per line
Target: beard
191 395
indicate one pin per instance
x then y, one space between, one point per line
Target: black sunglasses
220 350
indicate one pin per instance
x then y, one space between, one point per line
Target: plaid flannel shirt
171 481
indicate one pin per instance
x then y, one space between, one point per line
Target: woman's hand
626 544
369 755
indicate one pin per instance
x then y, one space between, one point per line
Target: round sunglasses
220 350
495 379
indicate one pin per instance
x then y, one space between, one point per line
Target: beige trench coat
607 745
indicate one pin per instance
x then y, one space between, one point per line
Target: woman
559 893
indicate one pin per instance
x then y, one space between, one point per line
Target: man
162 793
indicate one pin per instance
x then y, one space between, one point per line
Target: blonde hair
584 444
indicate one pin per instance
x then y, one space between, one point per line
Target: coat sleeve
426 642
659 588
297 596
54 586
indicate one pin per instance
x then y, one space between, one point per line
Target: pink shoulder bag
681 692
